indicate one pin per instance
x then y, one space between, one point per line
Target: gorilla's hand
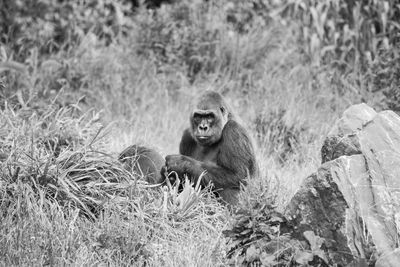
180 165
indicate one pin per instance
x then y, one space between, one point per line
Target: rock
353 119
341 139
389 259
143 161
380 145
320 206
353 200
336 146
351 177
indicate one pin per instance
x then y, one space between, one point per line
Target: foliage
185 36
261 236
273 129
182 200
40 41
58 25
346 32
192 34
385 77
53 153
353 36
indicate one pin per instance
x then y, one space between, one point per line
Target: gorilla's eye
210 116
197 119
222 109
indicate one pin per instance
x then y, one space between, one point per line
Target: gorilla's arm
187 145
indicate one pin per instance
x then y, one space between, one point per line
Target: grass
64 198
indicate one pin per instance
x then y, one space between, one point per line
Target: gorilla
218 146
144 161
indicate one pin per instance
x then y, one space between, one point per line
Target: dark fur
227 161
143 161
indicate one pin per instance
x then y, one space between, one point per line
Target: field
71 101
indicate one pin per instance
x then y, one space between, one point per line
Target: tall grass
65 200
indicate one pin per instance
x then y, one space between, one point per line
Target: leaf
13 65
246 231
252 254
229 233
3 54
51 64
321 255
276 219
303 257
316 243
268 259
314 240
184 197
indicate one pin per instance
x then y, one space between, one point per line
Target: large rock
319 206
353 201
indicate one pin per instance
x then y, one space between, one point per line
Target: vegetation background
81 80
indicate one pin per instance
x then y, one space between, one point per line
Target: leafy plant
384 77
178 34
181 200
256 237
346 32
262 237
52 26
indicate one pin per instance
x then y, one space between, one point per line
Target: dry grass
65 200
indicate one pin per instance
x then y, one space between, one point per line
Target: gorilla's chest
206 153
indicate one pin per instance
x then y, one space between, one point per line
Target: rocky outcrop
353 200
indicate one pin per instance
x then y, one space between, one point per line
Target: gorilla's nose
203 128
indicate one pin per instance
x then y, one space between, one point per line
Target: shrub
273 131
52 26
384 76
346 32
